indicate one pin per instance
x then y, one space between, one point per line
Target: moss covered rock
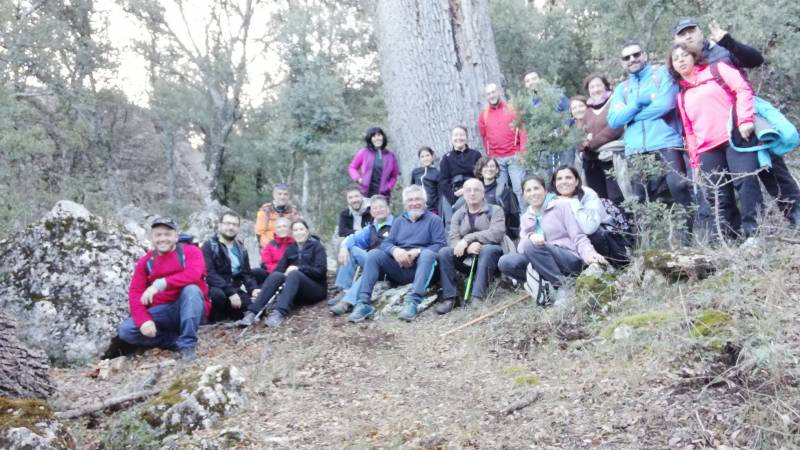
66 277
29 424
680 265
596 287
197 402
709 323
641 320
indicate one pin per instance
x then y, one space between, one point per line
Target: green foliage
549 129
129 432
709 323
641 320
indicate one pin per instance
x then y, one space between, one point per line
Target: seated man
353 251
281 206
357 214
168 295
407 255
476 230
230 280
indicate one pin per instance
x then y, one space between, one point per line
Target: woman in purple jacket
374 167
552 246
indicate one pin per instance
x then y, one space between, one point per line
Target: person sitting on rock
302 273
272 253
476 231
487 170
281 206
357 214
168 294
353 251
408 255
231 283
551 242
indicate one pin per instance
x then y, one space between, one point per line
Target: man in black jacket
356 216
230 281
778 181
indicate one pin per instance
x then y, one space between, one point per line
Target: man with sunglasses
777 180
645 105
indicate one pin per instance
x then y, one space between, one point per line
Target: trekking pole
266 307
468 290
356 274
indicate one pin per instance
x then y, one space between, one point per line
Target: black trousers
605 185
221 308
613 245
298 289
781 185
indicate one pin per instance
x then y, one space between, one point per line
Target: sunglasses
632 56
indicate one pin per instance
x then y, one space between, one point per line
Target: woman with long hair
487 170
427 176
708 96
302 274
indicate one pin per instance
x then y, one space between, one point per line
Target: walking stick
522 298
355 275
266 307
468 290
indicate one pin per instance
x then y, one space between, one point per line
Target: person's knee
375 254
127 330
193 291
445 252
426 256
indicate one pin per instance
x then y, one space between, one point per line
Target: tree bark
23 371
436 58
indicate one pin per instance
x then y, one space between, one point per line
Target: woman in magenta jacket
374 167
705 102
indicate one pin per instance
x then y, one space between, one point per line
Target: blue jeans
381 263
176 322
511 167
553 263
345 274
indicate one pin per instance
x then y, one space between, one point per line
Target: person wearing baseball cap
721 47
168 295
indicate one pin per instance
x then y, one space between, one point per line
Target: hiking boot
409 311
247 320
361 312
340 308
336 298
275 319
187 354
445 306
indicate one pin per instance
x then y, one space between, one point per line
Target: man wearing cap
645 105
168 296
281 206
777 180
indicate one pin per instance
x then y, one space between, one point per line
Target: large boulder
65 279
29 425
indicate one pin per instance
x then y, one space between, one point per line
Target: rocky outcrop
65 279
193 403
29 425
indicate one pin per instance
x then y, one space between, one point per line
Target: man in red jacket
168 295
503 140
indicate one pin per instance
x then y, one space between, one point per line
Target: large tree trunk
23 371
436 58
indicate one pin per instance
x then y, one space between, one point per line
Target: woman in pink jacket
374 167
708 95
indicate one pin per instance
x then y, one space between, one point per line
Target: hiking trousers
485 268
176 322
298 289
380 263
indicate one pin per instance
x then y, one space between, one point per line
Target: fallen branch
524 403
489 314
89 409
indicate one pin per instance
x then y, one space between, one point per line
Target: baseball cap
686 22
164 221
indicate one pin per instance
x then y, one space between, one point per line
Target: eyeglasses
632 56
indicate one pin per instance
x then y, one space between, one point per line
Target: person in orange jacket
268 213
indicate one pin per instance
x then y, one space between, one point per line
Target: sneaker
187 354
751 242
445 306
247 320
275 319
361 312
336 298
340 308
533 284
409 311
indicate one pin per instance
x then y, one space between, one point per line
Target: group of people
484 215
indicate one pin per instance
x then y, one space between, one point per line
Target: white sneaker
534 286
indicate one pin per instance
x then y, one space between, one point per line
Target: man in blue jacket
645 105
353 252
408 255
778 181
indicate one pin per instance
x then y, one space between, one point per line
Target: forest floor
643 372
